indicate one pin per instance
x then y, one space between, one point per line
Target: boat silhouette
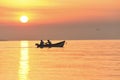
59 44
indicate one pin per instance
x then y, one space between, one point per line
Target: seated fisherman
41 43
49 42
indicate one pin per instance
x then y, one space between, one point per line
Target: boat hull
60 44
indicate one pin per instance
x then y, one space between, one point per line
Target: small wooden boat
59 44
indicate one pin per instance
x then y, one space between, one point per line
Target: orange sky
60 19
47 11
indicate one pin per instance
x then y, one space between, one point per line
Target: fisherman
41 43
49 43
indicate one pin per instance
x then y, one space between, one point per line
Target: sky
60 19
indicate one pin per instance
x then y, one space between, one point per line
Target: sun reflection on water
24 61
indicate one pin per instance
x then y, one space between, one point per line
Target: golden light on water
24 61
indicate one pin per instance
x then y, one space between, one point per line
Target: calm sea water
78 60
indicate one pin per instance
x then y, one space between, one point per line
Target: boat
59 44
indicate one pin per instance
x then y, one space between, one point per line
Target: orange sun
24 19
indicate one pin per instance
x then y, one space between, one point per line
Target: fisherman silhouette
41 43
49 43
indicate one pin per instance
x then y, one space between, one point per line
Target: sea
77 60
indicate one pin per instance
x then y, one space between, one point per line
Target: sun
24 19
